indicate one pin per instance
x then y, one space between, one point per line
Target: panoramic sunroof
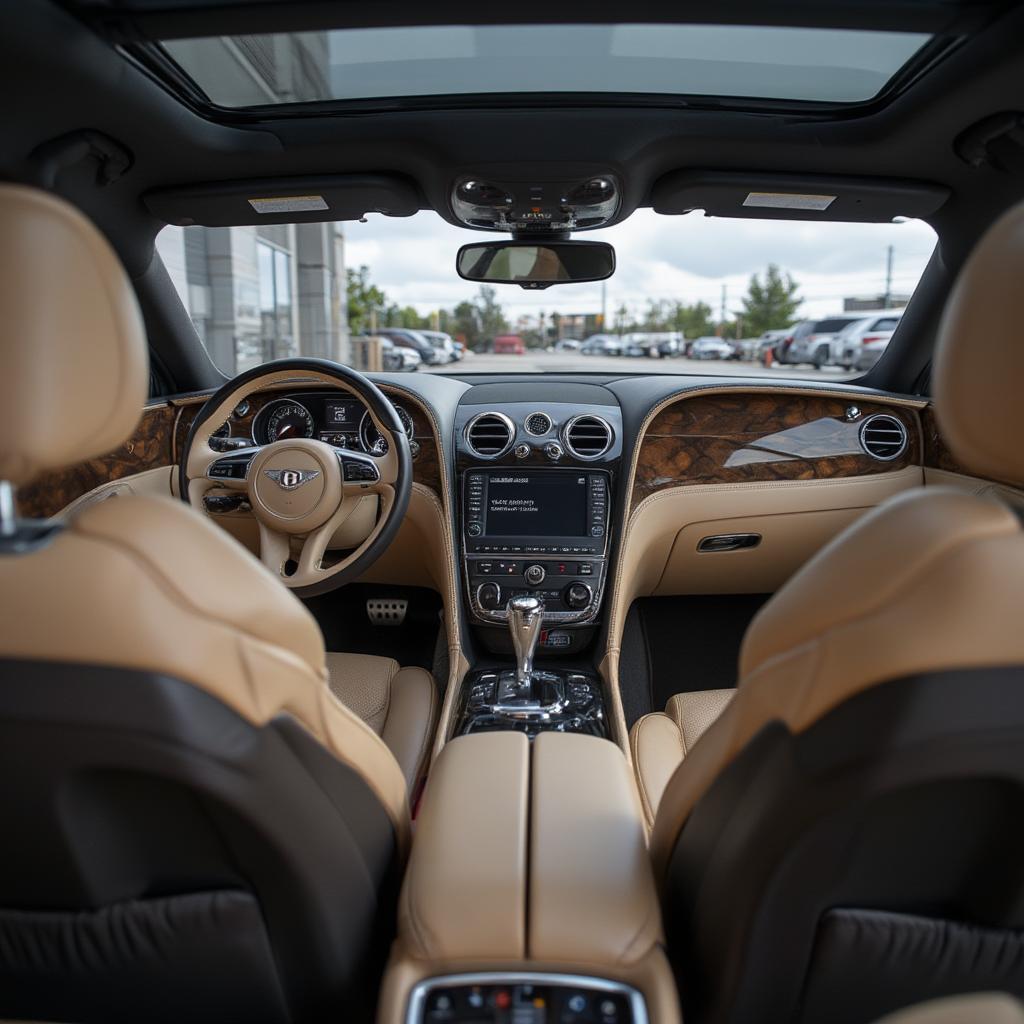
763 63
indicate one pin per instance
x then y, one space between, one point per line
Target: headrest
73 361
979 361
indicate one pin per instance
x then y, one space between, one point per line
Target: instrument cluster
340 421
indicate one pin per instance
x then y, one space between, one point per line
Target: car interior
341 694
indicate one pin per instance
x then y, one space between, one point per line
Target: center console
542 848
538 532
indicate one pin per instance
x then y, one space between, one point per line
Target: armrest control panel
523 998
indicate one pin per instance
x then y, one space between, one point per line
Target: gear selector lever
525 616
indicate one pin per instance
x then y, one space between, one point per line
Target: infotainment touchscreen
550 503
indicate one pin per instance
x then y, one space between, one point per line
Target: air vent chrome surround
587 436
883 437
537 423
489 435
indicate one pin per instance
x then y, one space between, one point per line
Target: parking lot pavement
571 362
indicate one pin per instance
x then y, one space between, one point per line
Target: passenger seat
661 740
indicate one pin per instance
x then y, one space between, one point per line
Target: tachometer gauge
288 420
370 437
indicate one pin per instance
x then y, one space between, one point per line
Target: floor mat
682 644
347 628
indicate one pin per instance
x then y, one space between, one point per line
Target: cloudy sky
678 258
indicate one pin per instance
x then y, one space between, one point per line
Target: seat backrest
166 860
845 839
196 828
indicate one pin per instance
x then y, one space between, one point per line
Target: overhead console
536 206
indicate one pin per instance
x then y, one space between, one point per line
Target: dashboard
331 417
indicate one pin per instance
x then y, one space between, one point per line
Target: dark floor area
346 626
677 644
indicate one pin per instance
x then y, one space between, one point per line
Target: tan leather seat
833 828
172 758
660 741
398 704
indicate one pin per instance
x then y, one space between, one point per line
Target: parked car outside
655 344
403 337
769 340
444 343
711 348
395 359
810 341
567 345
509 345
602 345
867 332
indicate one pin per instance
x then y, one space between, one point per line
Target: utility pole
888 278
604 305
721 316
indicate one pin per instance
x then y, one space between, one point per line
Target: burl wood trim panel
936 452
149 447
744 438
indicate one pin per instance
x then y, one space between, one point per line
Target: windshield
775 294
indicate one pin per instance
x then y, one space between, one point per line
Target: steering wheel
302 490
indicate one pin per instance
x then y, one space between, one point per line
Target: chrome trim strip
8 513
418 997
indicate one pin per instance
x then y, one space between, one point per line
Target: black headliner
61 73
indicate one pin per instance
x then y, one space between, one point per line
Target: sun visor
284 200
795 196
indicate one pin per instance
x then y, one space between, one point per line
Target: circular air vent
490 434
588 437
883 437
538 424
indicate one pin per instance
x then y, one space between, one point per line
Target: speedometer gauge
288 420
370 436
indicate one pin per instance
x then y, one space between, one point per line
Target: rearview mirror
535 264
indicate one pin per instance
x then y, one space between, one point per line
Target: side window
886 324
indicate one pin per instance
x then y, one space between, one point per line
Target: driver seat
197 827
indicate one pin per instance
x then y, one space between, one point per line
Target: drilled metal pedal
386 611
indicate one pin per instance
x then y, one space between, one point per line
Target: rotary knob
535 575
578 596
488 596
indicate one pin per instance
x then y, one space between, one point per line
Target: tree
362 297
492 316
771 304
693 321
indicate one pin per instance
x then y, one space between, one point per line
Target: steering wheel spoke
232 471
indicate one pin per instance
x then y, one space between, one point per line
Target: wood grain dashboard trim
747 437
158 439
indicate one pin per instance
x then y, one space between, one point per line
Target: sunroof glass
764 63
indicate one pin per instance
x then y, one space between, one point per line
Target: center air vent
490 434
588 437
883 437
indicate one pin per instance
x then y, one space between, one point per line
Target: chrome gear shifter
525 616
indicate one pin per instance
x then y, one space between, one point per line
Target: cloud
687 258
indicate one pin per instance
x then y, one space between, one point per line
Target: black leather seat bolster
152 832
69 961
876 958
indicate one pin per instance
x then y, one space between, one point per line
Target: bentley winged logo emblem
289 479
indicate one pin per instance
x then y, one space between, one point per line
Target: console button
578 596
489 596
585 569
474 529
535 575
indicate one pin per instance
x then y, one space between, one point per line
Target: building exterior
869 303
267 291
